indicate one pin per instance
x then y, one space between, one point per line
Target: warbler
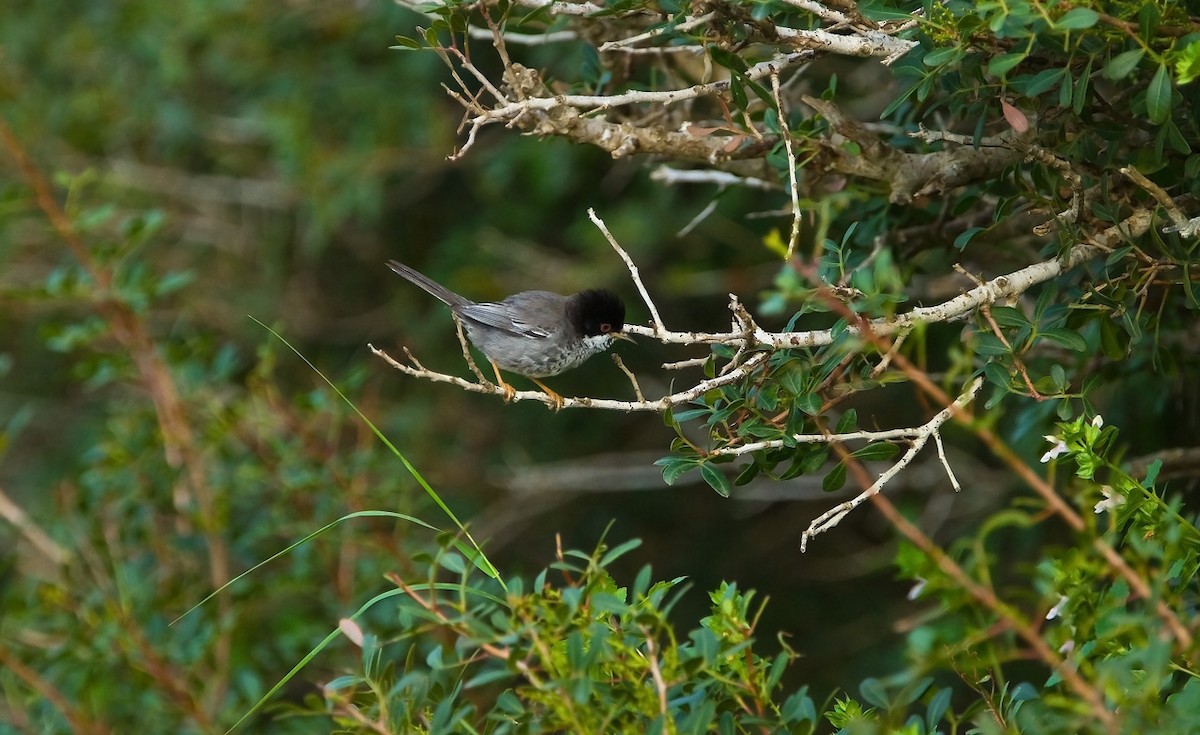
533 333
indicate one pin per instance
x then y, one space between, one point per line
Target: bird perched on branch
533 333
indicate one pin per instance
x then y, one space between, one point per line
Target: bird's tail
434 288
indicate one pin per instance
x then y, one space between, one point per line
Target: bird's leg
509 391
558 399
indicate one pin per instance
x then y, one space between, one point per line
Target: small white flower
1067 647
1057 609
1098 421
1059 449
917 589
1111 500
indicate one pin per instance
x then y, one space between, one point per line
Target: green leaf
1059 376
1068 338
1175 138
793 378
799 708
876 452
748 473
990 345
1004 63
172 282
835 479
939 704
673 467
1191 169
715 479
1077 19
873 693
1113 341
997 375
1081 88
1007 316
946 55
1024 692
1064 91
1158 96
620 550
1121 65
809 404
1152 473
1188 290
1043 81
966 236
727 59
682 417
737 91
847 422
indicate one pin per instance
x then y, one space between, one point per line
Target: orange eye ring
605 328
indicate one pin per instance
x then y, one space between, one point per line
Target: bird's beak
622 335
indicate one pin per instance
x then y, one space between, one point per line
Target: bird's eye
605 328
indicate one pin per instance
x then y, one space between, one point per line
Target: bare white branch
821 11
596 103
868 43
672 176
681 364
653 33
417 370
941 450
524 39
887 435
998 289
562 8
834 516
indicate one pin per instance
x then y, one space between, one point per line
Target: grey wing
502 317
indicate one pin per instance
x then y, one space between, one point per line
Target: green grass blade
475 552
314 534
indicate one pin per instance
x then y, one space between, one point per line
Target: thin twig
1018 363
941 450
681 364
637 389
910 433
653 33
466 350
40 540
834 516
700 217
791 157
671 176
656 321
1160 196
660 686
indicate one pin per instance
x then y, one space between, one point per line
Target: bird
536 334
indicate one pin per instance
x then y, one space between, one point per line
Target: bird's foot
556 400
510 393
